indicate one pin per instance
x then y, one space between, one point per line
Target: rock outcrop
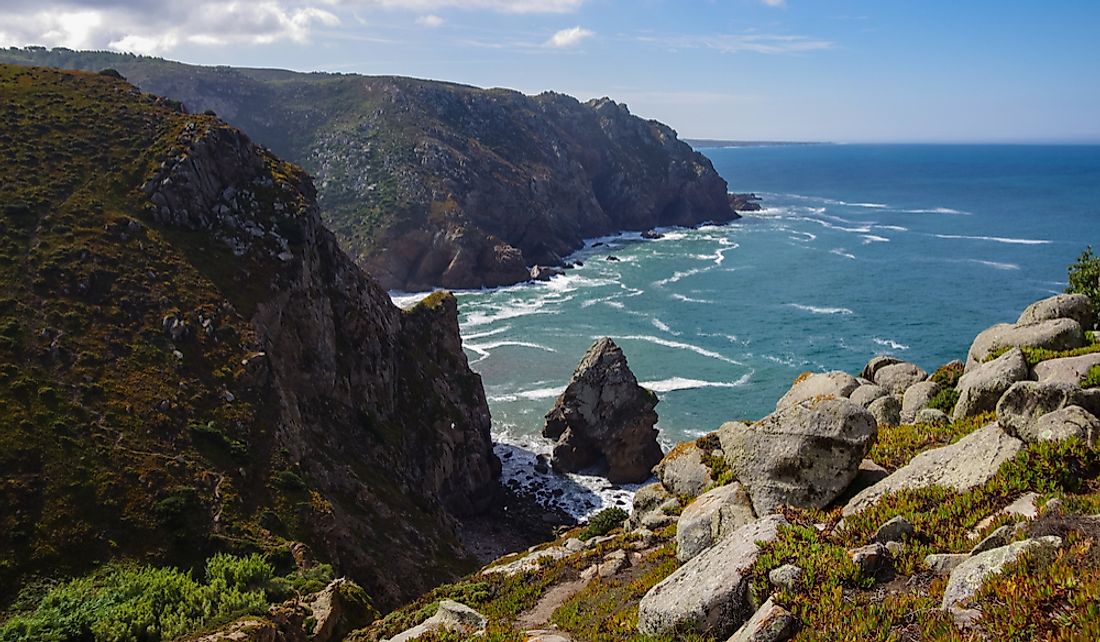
804 455
712 516
967 577
811 386
971 461
1053 334
710 592
605 416
981 388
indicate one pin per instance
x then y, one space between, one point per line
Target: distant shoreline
710 143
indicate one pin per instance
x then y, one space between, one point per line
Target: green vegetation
1092 378
896 445
945 400
125 603
948 375
1084 278
604 522
1038 355
834 602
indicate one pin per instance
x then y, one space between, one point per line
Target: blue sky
841 70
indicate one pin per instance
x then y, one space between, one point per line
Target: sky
814 70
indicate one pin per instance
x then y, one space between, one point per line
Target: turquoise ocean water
860 250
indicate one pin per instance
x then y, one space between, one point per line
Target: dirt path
538 616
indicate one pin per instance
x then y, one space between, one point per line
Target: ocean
860 250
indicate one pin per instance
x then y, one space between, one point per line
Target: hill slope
189 363
435 184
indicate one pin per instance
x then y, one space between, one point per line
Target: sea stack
605 416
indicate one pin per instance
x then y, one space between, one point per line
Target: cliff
191 364
435 184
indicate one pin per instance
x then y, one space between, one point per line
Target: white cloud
430 20
569 37
753 42
149 29
502 6
775 3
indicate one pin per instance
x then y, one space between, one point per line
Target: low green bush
604 522
1084 278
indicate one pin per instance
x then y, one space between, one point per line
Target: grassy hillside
188 363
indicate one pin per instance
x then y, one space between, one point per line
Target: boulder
709 593
897 529
886 410
604 415
647 499
932 417
787 576
897 377
970 462
867 393
682 470
1001 536
451 616
1065 423
982 387
1055 334
804 455
336 611
1060 306
943 563
916 399
530 562
1069 370
544 272
712 516
870 559
968 576
1021 406
827 384
877 363
770 623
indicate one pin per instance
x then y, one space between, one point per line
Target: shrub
945 400
948 374
1092 378
604 522
1084 278
127 603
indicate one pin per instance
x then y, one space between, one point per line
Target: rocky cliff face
434 184
192 364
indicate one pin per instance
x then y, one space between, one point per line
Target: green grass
1091 378
1038 355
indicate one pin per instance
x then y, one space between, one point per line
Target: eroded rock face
1069 422
916 398
897 377
682 470
1021 406
709 593
970 462
967 577
604 415
1069 370
451 616
803 455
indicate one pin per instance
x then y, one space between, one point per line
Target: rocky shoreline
915 488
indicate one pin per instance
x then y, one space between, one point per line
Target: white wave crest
687 299
890 343
996 265
529 395
682 383
995 239
893 228
871 238
842 252
679 345
663 327
489 333
678 276
819 310
483 350
937 210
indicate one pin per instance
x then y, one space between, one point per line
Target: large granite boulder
682 470
709 593
970 462
648 500
968 576
916 399
1071 422
604 415
981 388
886 410
897 377
451 616
1060 306
804 455
1055 334
867 393
713 515
1069 370
1021 406
876 364
770 623
825 384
